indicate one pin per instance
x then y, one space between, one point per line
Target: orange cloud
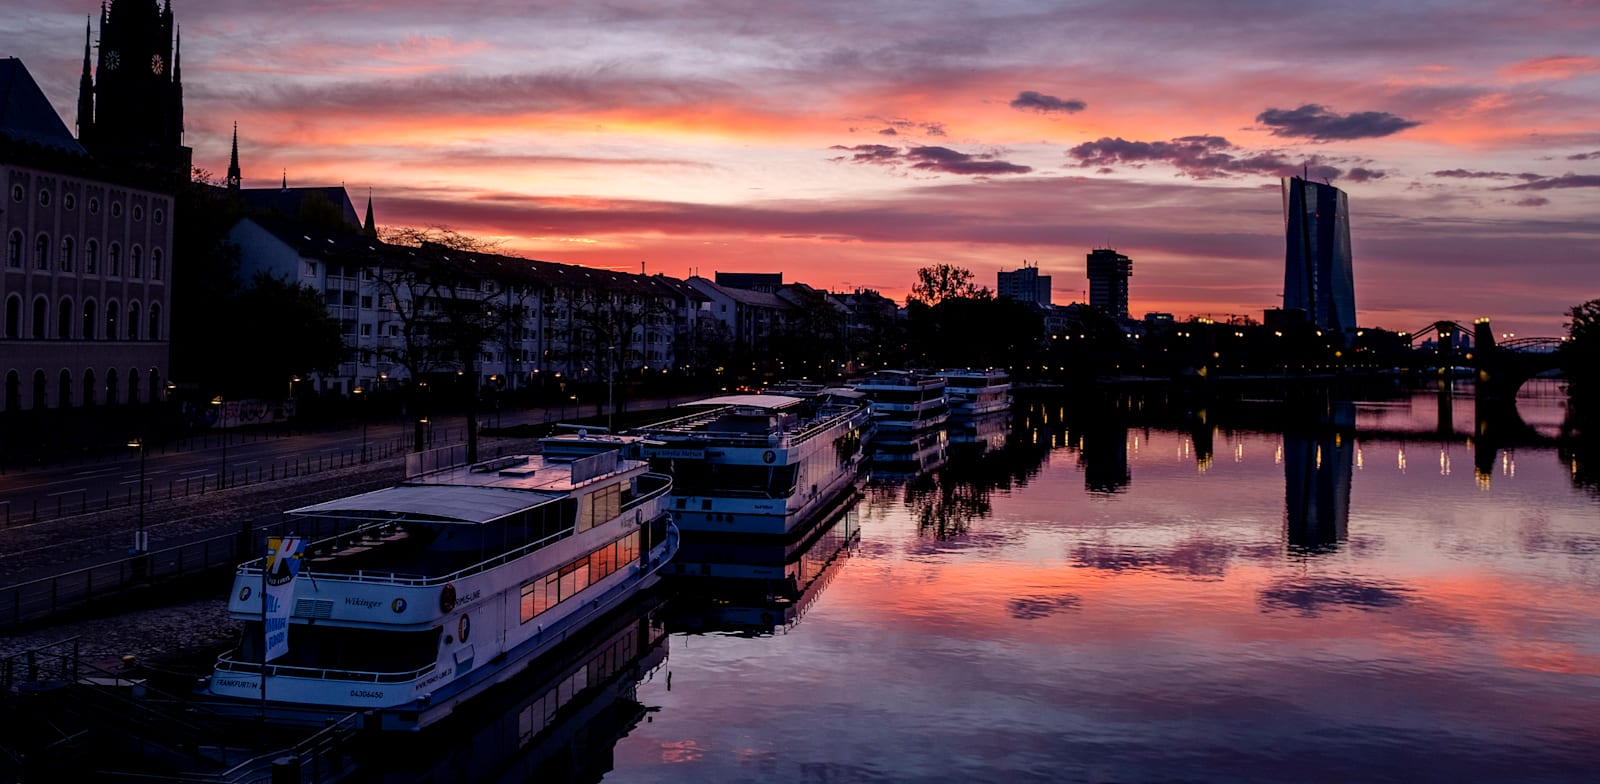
1554 67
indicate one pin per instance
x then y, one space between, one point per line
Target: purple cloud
1315 122
1200 157
1359 174
1029 100
1486 175
1564 181
1585 156
939 159
1532 201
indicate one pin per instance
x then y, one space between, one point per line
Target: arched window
112 314
154 332
64 390
67 249
40 388
111 387
41 252
89 321
13 316
155 263
133 386
88 387
91 256
13 391
155 384
114 259
133 321
64 319
14 250
136 262
41 318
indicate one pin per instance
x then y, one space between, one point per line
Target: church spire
233 163
86 86
371 228
177 58
286 179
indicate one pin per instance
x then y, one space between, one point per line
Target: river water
1128 590
1123 594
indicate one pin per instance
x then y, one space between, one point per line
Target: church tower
132 112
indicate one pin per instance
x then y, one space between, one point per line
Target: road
35 498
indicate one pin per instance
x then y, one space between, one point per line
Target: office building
1108 282
1318 278
1024 285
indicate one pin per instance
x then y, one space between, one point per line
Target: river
1124 594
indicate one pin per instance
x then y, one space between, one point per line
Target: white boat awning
464 504
752 401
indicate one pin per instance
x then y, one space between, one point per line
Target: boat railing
397 578
787 438
224 663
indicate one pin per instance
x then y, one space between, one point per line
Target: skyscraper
1108 282
1318 278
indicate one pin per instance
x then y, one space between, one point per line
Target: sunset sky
847 144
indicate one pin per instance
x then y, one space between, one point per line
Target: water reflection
1317 471
559 720
758 585
1330 597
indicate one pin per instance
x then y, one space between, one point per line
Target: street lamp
141 544
362 406
222 478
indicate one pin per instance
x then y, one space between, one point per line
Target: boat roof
752 401
480 492
436 503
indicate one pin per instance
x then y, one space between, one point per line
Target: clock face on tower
155 64
112 60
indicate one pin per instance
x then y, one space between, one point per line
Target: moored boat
443 586
905 401
973 392
759 464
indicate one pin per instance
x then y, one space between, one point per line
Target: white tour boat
976 392
904 401
759 464
446 585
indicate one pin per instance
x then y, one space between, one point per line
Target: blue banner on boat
282 564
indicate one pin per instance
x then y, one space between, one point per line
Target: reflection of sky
1168 632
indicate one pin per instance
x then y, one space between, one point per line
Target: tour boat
905 401
976 392
759 464
439 588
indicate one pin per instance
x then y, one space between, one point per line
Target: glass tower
1318 278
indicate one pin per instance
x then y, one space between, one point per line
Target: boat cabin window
600 506
343 648
548 590
693 477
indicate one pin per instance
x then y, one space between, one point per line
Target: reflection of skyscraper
1108 282
1318 278
1316 490
1105 457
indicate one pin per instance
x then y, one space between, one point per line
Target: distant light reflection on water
1169 600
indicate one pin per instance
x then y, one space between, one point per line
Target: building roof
342 246
26 114
742 296
289 202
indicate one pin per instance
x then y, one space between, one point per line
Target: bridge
1502 366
